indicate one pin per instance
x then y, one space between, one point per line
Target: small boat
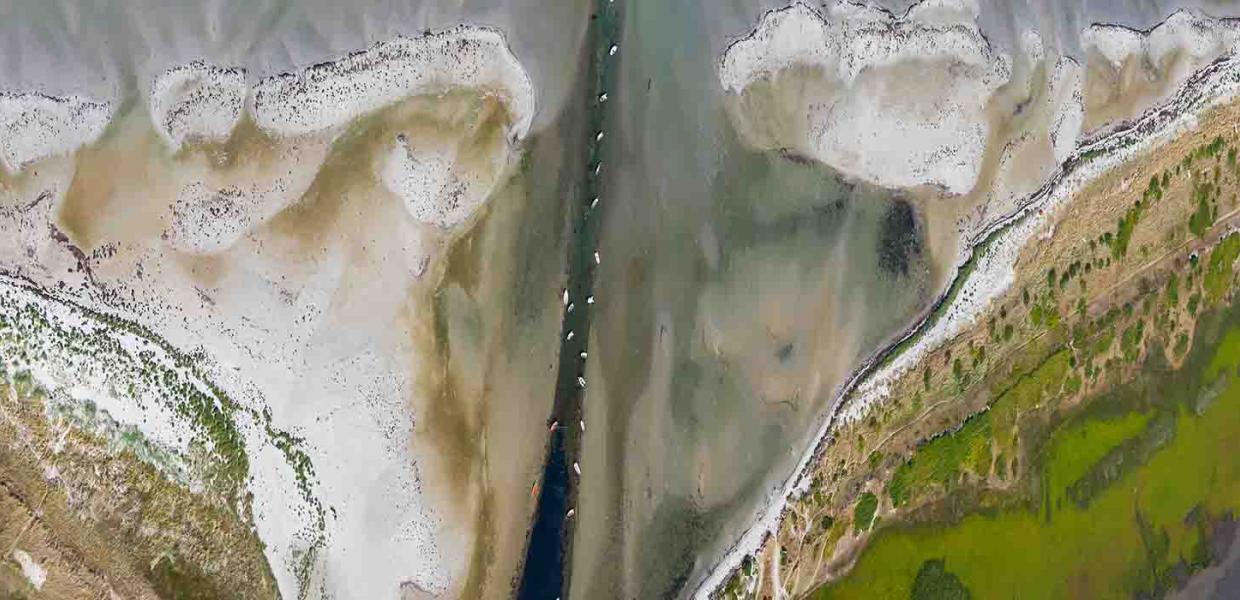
534 490
571 512
602 97
612 51
598 167
554 425
569 337
590 300
582 423
594 202
564 296
582 356
571 306
597 259
598 137
581 382
577 468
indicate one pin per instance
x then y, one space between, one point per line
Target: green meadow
1118 504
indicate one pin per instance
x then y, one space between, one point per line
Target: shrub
863 513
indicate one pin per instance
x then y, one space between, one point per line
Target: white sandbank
35 126
197 102
923 79
427 179
332 93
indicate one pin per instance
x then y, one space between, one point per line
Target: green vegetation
1146 519
1026 393
1218 277
942 460
1123 233
863 513
1203 217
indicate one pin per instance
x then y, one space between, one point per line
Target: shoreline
1116 143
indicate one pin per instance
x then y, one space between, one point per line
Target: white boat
564 295
582 355
599 166
594 202
602 97
577 468
597 260
612 50
582 423
554 425
569 337
571 512
581 382
571 306
590 300
598 137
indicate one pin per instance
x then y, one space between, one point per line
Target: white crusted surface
901 102
333 93
34 126
197 102
427 175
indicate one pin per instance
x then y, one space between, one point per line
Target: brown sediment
779 99
1112 95
482 361
121 187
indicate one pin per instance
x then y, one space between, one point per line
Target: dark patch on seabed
900 238
545 574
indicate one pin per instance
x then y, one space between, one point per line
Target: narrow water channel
545 574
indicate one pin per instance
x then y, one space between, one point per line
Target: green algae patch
1172 468
1078 447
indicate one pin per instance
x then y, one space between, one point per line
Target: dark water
545 574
